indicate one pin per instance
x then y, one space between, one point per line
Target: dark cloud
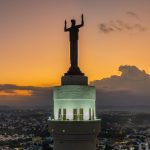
11 88
40 96
133 73
133 14
119 25
130 88
132 79
105 28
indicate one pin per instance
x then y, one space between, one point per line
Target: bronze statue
73 34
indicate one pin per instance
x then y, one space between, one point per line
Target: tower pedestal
74 80
74 135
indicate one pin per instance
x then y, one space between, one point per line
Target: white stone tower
74 125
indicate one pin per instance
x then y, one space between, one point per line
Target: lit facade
74 103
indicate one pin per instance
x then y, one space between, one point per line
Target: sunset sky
35 49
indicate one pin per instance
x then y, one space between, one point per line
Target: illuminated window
59 114
75 114
81 114
93 114
90 113
64 113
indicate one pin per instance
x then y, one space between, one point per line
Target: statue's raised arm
65 27
82 22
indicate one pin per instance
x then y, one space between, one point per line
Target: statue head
73 22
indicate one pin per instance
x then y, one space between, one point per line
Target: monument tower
74 125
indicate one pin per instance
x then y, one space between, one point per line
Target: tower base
74 135
74 80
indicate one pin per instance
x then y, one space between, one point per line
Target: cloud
12 89
130 88
133 73
133 14
131 80
14 95
119 25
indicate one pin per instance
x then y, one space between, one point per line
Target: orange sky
35 50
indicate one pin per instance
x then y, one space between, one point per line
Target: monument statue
73 35
74 125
